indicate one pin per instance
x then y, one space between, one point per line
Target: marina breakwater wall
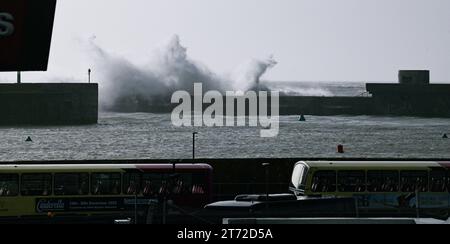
326 106
424 100
413 95
289 105
384 104
386 100
48 104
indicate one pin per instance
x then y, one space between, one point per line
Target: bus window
382 181
191 184
178 184
438 181
324 181
131 183
198 184
412 181
152 184
105 183
9 185
182 184
36 184
71 184
352 181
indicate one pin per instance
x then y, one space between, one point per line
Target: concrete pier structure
48 104
413 95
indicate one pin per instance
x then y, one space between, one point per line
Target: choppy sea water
140 136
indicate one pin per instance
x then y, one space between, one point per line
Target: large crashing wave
125 84
248 75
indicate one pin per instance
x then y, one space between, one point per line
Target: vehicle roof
376 164
231 204
101 166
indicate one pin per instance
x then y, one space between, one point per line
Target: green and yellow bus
388 188
102 192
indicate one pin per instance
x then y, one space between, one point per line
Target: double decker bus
101 193
387 189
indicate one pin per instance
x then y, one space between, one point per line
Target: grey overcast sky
313 40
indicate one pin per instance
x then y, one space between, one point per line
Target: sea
152 136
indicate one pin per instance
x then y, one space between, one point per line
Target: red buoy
340 149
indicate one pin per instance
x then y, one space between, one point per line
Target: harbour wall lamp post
194 135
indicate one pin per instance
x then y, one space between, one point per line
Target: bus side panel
17 206
403 203
434 200
393 201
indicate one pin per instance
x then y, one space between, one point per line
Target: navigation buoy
302 118
340 149
445 136
28 139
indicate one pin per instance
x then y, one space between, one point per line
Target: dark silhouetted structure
413 96
48 104
27 46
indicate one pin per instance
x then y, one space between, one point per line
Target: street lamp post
266 169
194 134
